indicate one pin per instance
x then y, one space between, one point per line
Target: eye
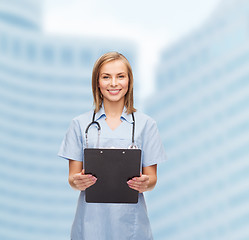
105 77
121 76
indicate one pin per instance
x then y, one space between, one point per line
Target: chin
115 99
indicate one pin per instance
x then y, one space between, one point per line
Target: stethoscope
99 131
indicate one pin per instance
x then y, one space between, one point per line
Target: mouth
114 91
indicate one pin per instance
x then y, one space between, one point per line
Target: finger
79 176
138 185
143 178
85 179
131 182
134 184
139 189
139 180
89 184
133 187
84 185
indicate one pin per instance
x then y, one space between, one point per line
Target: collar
124 115
100 113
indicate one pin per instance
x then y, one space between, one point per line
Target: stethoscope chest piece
133 146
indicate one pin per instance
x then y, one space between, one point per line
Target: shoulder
83 116
83 119
145 123
143 118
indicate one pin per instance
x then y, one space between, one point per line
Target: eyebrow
110 74
105 74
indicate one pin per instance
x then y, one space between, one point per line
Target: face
113 81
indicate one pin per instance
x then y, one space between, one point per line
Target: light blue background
200 103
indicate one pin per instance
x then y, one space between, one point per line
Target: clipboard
113 168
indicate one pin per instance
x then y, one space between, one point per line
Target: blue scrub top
100 221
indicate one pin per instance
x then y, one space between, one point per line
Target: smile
114 91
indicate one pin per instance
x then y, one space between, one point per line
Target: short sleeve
152 148
71 146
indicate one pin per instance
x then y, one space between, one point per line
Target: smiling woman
112 86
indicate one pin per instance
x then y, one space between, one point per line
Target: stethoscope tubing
99 131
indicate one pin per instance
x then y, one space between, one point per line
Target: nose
113 82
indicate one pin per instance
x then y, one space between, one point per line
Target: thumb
83 172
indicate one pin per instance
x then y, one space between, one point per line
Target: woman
112 86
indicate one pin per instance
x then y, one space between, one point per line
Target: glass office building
201 107
45 81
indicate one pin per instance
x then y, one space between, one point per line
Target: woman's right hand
77 177
82 181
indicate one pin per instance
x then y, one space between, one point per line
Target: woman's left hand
140 184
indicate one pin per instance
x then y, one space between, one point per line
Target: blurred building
201 107
45 81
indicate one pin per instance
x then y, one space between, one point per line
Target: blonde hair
98 98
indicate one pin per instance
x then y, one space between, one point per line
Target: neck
113 109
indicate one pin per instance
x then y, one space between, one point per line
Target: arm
146 181
77 178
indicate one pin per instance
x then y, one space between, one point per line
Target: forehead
114 66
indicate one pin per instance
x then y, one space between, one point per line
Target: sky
153 25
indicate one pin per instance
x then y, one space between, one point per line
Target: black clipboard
113 168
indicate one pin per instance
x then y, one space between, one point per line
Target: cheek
126 85
101 85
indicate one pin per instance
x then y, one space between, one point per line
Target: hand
140 184
82 181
